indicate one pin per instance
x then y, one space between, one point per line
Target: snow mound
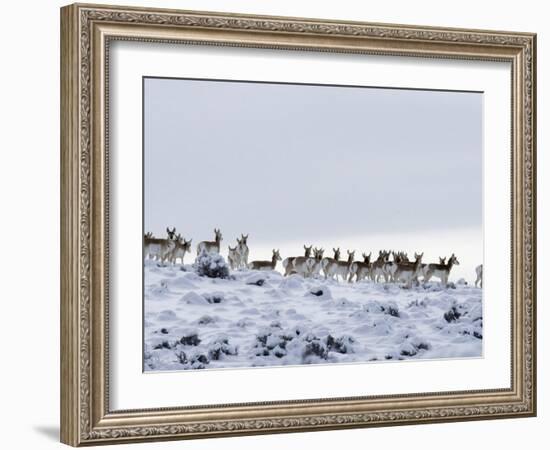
292 282
256 279
167 314
192 298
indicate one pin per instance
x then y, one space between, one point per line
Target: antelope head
336 253
187 245
351 255
319 253
218 234
442 260
171 233
307 250
148 235
453 260
243 239
276 255
418 257
366 257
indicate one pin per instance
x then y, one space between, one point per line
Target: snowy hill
264 319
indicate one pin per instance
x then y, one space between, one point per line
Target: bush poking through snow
452 315
194 361
163 344
392 310
314 347
214 298
220 347
321 291
211 265
308 347
343 344
206 319
190 338
413 346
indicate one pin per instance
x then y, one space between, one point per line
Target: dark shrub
190 339
452 315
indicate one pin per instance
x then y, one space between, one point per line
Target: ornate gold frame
86 31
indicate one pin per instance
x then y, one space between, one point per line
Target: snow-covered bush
211 265
194 360
219 347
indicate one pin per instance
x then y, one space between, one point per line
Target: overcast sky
292 163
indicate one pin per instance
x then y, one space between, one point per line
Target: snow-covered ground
264 319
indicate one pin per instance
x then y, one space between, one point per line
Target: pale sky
290 163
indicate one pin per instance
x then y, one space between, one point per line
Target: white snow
264 319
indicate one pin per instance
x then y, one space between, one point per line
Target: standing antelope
211 246
242 248
329 264
407 271
266 265
361 270
155 248
289 262
181 247
479 276
315 262
424 267
342 268
377 269
441 271
390 266
234 257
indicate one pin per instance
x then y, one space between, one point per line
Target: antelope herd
313 263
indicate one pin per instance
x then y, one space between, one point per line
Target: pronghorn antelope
479 276
390 266
329 264
360 270
211 246
242 248
171 233
377 269
424 267
342 268
234 257
266 265
441 271
407 271
288 263
181 247
315 262
155 248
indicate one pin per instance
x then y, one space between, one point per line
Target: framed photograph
275 224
